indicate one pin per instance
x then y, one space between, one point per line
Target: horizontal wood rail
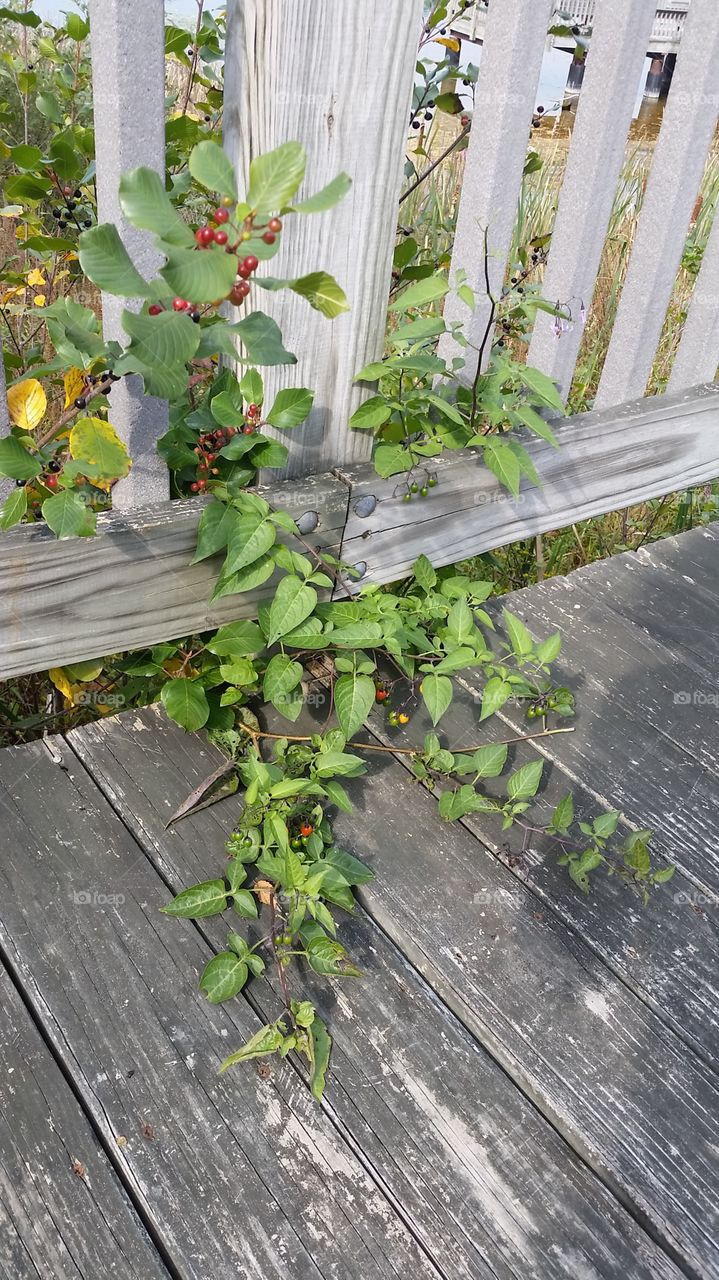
133 585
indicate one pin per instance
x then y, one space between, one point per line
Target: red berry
51 482
269 237
251 263
274 224
381 695
248 431
244 272
204 235
230 431
180 304
306 829
235 296
253 410
221 215
220 237
154 309
194 486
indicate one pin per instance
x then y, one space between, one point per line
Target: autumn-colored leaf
27 403
74 383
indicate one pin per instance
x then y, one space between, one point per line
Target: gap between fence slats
689 122
697 357
615 64
509 73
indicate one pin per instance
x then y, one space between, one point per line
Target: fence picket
689 122
615 64
697 358
128 80
509 72
338 81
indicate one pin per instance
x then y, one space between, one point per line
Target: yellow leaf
36 277
97 442
449 42
39 300
74 383
12 293
61 682
27 403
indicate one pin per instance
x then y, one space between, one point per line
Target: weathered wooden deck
522 1086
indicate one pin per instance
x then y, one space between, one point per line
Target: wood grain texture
490 1188
56 1222
327 75
606 461
128 82
133 584
240 1175
679 155
515 36
620 39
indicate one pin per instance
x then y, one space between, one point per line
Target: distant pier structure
663 45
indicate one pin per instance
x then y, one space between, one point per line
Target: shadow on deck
522 1086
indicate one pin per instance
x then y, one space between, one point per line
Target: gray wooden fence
339 79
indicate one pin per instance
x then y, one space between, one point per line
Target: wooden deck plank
491 1189
665 952
57 1218
114 983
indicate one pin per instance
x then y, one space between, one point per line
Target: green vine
323 635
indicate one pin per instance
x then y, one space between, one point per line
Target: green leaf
198 902
267 1040
108 264
96 444
13 508
524 783
15 461
371 413
251 537
437 692
579 868
424 573
563 815
68 517
326 956
550 648
251 386
323 293
520 639
320 1045
281 677
292 603
245 904
161 347
450 103
146 204
327 198
48 106
223 977
391 459
339 763
28 19
420 293
606 824
489 761
213 532
531 419
503 462
236 640
275 177
77 28
212 168
354 699
417 330
290 408
261 337
200 275
542 386
186 703
495 694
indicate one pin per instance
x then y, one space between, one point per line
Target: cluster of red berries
207 448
